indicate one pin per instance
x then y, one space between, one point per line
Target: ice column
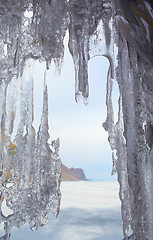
134 166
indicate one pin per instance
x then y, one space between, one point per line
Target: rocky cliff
72 174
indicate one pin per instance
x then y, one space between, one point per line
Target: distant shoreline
101 180
92 180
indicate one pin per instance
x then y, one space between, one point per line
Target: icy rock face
30 167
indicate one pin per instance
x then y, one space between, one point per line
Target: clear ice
30 168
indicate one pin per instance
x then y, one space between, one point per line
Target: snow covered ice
30 168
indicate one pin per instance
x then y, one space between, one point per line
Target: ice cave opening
78 126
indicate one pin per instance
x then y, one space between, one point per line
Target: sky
83 141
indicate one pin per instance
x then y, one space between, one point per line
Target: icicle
47 180
121 164
79 44
83 26
53 26
30 176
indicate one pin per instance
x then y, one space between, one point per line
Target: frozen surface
35 30
83 215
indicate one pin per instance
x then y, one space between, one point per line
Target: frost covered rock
30 167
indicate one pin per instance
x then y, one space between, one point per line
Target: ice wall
133 132
30 167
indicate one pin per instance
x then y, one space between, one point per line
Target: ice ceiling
30 168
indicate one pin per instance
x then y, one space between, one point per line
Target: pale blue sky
83 141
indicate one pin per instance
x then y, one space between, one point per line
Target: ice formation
30 168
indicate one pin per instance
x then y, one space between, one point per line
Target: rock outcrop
72 174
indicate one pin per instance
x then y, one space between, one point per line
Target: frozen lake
89 211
